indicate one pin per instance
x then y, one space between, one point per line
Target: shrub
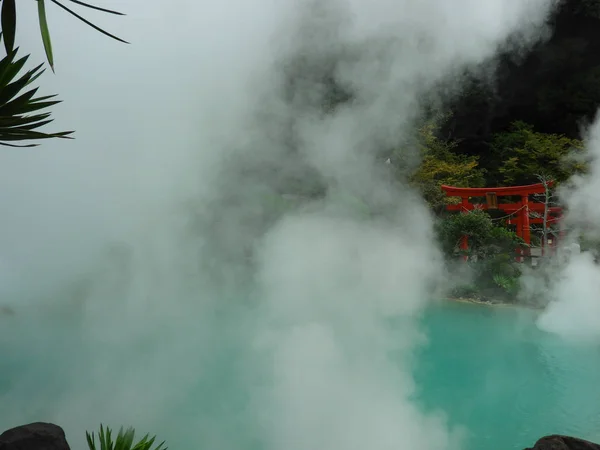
491 252
124 440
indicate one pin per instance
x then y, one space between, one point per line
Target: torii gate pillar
521 210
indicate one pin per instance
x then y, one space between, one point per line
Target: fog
574 309
172 267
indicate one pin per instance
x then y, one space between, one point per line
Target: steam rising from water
575 309
160 286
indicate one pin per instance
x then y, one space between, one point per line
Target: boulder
35 436
556 442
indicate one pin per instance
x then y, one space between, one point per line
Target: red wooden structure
519 213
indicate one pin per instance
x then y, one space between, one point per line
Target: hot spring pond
509 383
489 369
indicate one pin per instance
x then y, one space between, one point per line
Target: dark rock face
35 436
563 443
555 86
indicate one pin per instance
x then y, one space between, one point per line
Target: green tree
441 165
491 251
524 154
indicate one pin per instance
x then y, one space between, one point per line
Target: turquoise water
491 370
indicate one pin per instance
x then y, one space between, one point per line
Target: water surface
491 370
488 368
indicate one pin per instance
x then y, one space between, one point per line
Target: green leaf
87 22
8 73
9 24
90 440
18 145
97 8
29 108
35 75
10 121
17 123
45 32
124 440
22 135
21 101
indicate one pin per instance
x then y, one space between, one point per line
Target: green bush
124 440
464 291
485 238
491 252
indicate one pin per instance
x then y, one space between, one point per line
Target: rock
35 436
556 442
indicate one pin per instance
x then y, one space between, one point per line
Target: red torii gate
520 210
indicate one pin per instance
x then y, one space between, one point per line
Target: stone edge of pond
492 304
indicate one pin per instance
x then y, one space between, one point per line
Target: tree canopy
523 154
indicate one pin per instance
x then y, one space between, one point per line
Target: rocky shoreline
497 304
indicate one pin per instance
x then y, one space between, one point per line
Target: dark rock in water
35 436
563 443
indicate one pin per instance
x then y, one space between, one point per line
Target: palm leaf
20 116
8 19
87 22
45 32
97 8
124 441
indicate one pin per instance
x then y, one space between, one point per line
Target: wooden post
464 240
525 224
519 229
521 208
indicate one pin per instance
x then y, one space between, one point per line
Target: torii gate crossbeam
520 209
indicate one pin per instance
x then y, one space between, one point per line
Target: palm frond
8 19
97 8
87 22
20 109
45 31
124 441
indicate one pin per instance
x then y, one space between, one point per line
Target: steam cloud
575 308
151 281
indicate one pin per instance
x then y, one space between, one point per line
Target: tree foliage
491 251
485 237
441 165
523 154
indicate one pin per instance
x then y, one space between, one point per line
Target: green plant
491 251
8 20
464 291
441 164
124 440
522 154
509 284
20 116
485 238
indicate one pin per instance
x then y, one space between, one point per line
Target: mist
152 279
574 308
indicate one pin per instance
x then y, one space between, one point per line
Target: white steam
152 282
574 311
